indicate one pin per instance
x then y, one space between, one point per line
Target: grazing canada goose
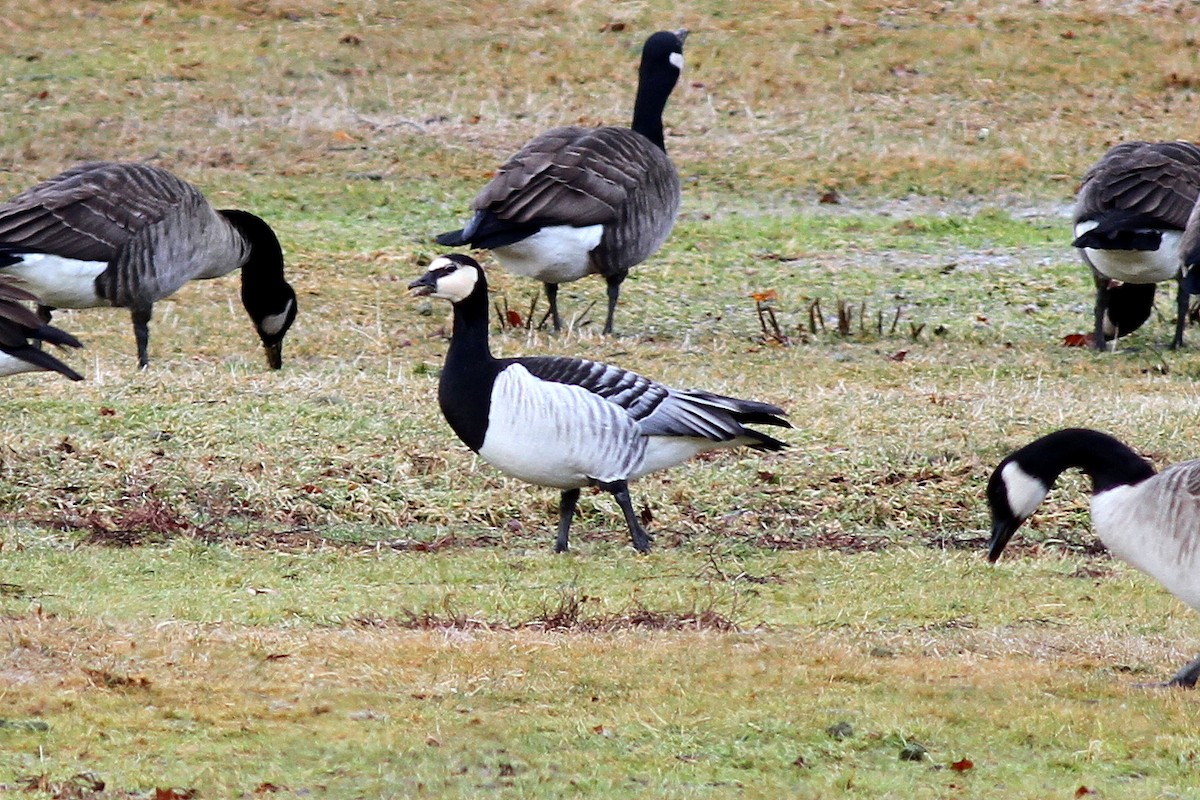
577 201
567 422
129 235
1130 215
1189 252
1129 306
1149 520
18 325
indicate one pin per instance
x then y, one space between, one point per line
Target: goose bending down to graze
18 325
129 235
567 422
1131 212
1128 307
1149 520
577 201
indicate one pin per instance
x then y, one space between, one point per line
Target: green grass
239 583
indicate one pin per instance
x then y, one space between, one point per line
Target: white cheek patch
677 60
1025 492
458 285
273 324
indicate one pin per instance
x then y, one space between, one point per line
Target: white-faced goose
19 325
578 201
1130 215
567 422
1149 520
129 235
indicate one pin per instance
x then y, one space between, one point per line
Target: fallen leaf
168 793
899 355
830 198
514 319
105 411
342 136
963 765
1083 790
351 39
1076 340
762 297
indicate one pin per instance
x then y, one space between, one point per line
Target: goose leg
1186 677
1182 301
43 313
620 490
141 332
552 296
1100 309
566 512
614 292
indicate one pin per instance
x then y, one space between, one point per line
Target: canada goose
577 201
18 325
567 422
129 235
1149 520
1129 306
1130 215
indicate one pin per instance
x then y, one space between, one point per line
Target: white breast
552 434
1142 526
60 282
557 254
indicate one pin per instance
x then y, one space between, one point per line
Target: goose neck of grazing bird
266 295
1106 460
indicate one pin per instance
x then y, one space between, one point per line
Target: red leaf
963 765
1076 340
899 355
514 319
762 297
105 411
1082 790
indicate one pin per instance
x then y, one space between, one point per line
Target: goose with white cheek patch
1149 520
20 327
1130 216
580 201
568 423
128 235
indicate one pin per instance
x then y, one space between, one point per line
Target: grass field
220 582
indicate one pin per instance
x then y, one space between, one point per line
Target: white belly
553 434
60 282
558 254
10 365
1138 266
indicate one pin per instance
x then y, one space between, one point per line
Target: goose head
453 277
659 71
1013 493
267 297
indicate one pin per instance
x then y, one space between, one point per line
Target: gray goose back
1148 180
576 176
156 231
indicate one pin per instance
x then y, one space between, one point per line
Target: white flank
274 323
554 434
664 452
60 282
1025 492
11 365
557 254
1138 266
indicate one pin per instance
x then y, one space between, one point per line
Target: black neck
465 388
654 87
1106 460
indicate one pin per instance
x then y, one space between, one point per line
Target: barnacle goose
1130 214
576 201
128 235
18 325
1149 520
567 422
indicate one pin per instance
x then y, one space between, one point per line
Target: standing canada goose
569 423
129 235
1130 215
18 325
577 201
1149 520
